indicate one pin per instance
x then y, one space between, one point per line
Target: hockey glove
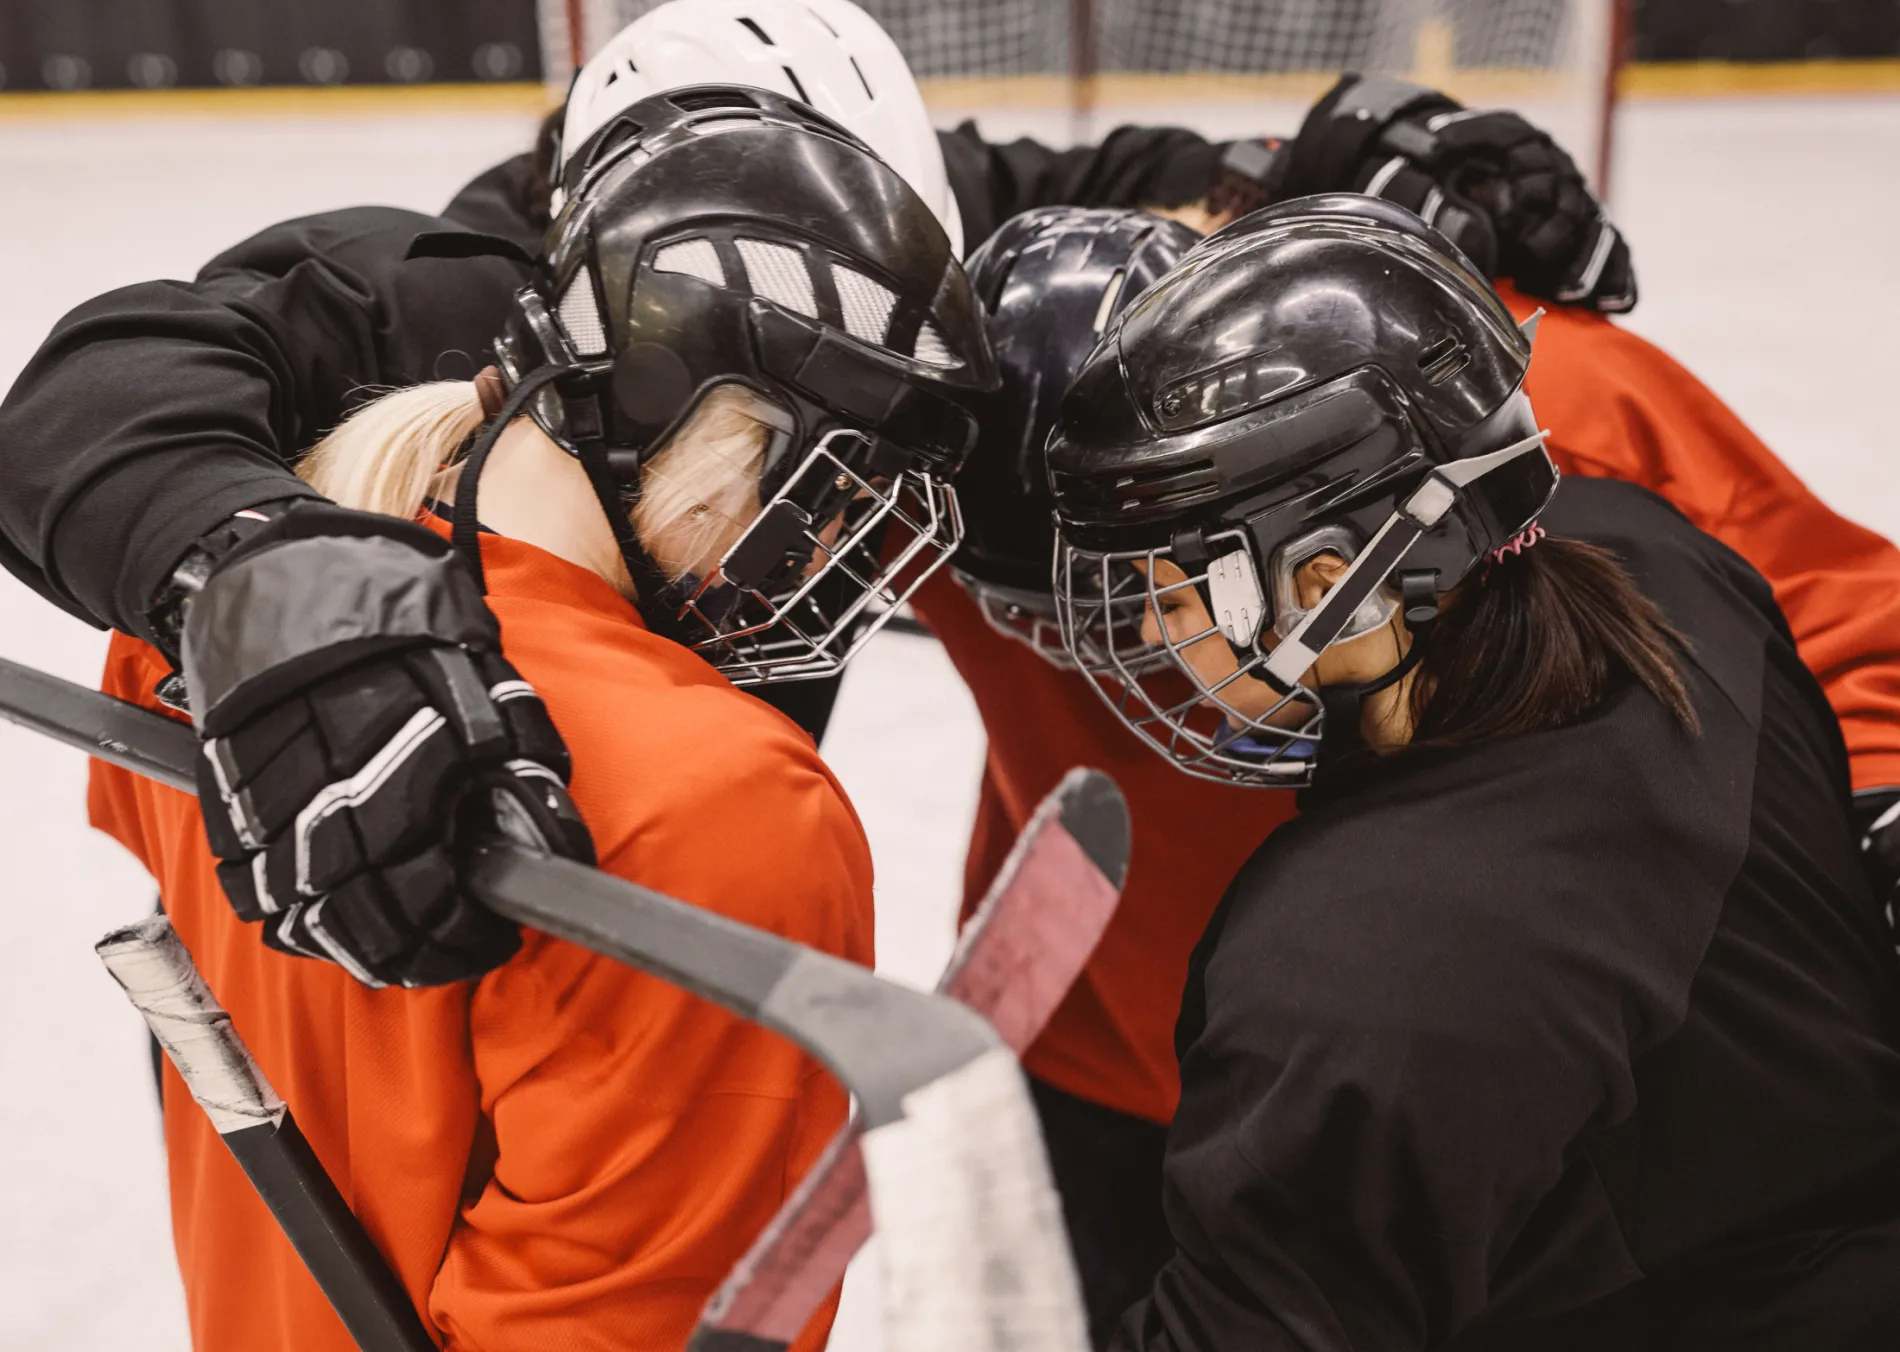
1497 187
360 729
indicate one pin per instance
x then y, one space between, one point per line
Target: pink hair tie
1522 541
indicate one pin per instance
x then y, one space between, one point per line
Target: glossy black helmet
1328 375
721 236
1049 282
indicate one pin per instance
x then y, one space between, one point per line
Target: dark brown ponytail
1538 640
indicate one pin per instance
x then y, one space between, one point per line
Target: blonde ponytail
389 455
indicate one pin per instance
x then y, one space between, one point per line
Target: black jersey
1584 1039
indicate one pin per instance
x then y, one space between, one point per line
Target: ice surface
1763 233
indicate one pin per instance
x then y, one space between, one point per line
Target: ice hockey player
562 1152
1564 1016
1104 1072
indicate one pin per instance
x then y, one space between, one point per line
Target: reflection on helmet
1324 377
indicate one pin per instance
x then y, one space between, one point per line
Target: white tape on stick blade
151 963
975 1255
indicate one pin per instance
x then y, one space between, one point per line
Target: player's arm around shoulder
1620 408
643 1137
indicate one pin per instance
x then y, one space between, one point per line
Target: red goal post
1070 69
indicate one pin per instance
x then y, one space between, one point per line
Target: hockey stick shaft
158 976
816 1000
1014 960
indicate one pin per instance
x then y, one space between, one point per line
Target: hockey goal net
1065 69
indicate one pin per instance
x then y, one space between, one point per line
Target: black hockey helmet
1326 375
728 236
1048 281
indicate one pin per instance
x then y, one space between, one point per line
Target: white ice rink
1765 237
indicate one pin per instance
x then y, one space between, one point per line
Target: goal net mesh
1066 70
989 39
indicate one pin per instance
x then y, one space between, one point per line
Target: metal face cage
757 620
1104 598
1018 613
1034 618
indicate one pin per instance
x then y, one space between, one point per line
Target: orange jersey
1616 407
565 1153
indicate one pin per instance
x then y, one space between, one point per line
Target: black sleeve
509 200
154 412
1132 167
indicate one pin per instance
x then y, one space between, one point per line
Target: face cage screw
842 482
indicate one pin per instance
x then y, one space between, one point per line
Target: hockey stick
975 1255
1014 961
158 976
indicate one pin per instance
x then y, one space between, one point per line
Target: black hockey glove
360 729
1500 189
1879 813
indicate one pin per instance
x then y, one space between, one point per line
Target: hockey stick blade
150 963
976 1258
1015 959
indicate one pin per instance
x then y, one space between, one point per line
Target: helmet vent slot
861 80
778 274
866 304
607 143
1444 359
580 317
699 100
757 32
694 257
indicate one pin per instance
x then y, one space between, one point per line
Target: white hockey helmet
827 53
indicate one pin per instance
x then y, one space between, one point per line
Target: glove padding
1501 190
360 730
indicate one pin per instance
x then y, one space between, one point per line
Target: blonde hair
696 495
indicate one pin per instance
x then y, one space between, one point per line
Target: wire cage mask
757 625
1034 618
1233 729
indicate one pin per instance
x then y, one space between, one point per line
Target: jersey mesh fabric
1617 407
566 1153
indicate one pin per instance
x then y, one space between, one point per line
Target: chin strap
584 433
1343 705
464 526
583 438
